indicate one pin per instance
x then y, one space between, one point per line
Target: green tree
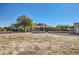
62 27
14 26
0 27
24 22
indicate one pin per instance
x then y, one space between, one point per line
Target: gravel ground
39 44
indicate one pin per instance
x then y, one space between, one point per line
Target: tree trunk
24 29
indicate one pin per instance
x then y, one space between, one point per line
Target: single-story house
76 28
40 28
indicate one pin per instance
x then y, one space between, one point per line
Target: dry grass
38 44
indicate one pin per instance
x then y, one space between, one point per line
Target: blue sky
51 14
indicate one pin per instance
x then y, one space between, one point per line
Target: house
40 28
76 28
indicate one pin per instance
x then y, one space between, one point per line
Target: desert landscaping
38 44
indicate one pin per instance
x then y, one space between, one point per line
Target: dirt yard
38 44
